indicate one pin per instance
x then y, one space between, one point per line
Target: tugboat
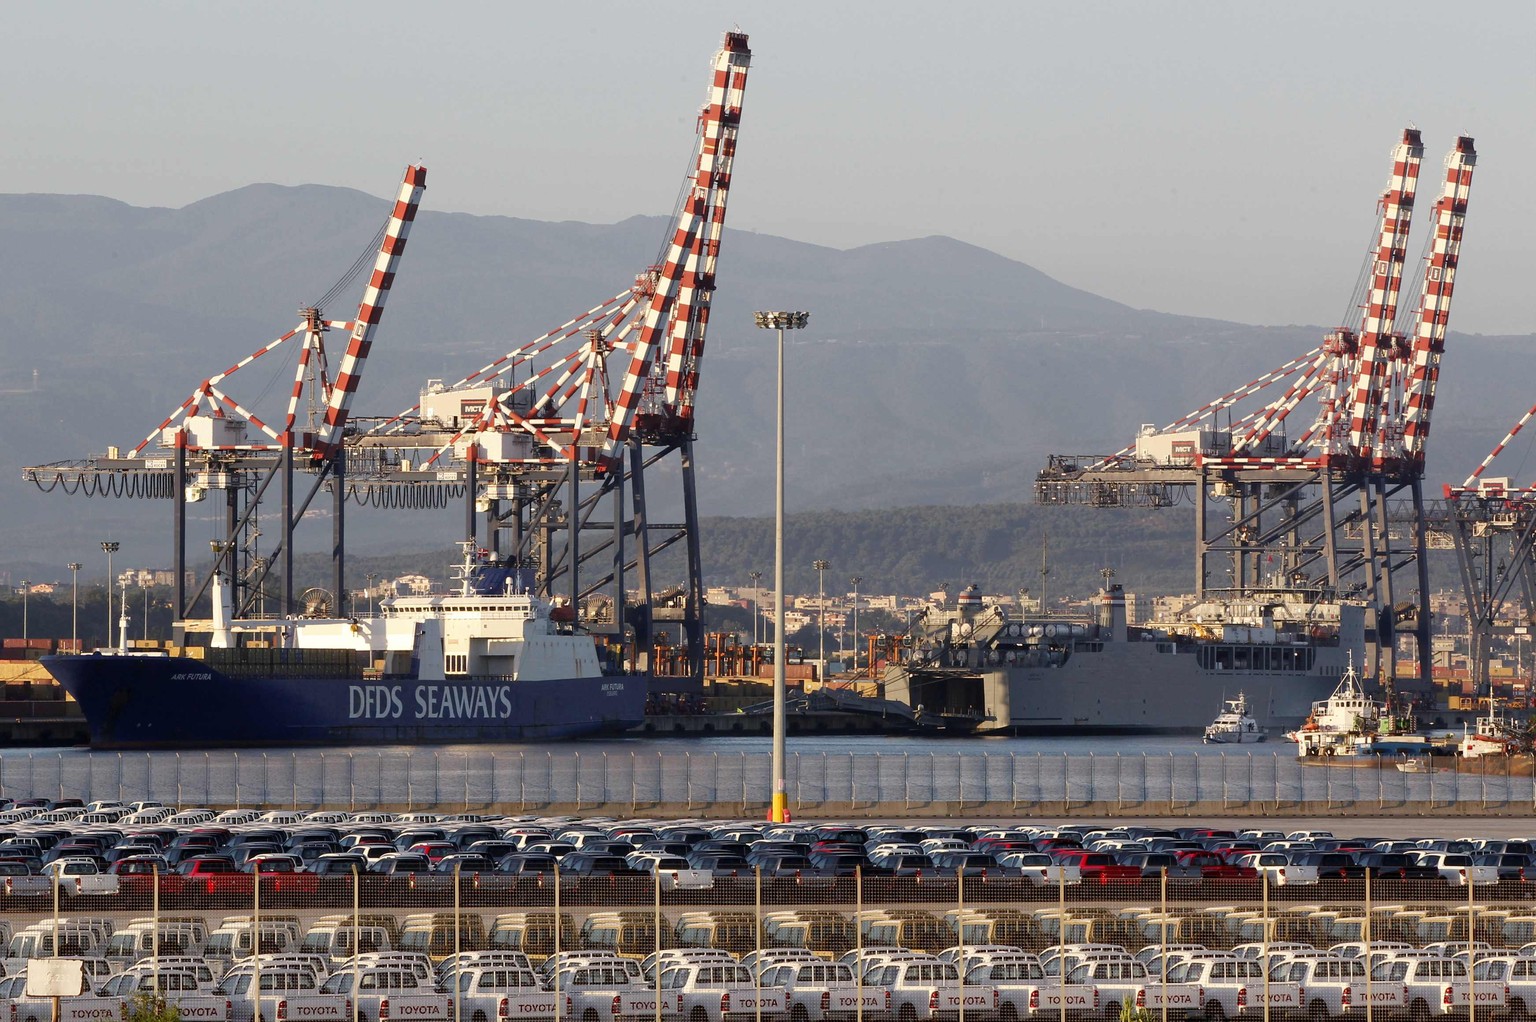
1233 725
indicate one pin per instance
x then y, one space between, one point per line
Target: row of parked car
206 851
886 984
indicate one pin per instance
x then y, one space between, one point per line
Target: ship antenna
466 570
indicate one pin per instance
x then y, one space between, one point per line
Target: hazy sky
1208 158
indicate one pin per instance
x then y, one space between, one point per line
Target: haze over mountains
933 372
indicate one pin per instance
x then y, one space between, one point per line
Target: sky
1216 159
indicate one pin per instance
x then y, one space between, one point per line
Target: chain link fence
728 783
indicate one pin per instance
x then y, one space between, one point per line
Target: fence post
1013 781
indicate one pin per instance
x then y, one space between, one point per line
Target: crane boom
1381 307
371 310
1435 299
662 375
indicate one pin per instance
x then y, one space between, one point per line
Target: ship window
456 663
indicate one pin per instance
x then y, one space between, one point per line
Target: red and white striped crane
212 419
562 410
1375 388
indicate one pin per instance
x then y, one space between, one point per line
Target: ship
1350 723
488 662
1098 674
1233 725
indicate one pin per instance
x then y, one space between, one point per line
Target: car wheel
1215 1011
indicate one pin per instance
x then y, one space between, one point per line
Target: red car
1096 867
137 874
1214 867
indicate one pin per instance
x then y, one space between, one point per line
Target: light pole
821 613
779 321
74 605
372 578
757 578
26 587
855 580
110 548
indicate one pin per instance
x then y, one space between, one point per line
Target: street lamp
855 580
779 321
110 548
821 610
74 604
757 578
26 587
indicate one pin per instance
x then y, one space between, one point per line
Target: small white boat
1233 725
1493 736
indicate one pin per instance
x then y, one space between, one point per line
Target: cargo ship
989 671
485 663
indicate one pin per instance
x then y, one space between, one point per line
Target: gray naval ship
975 667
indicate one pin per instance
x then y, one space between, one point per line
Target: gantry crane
1492 524
551 442
215 441
1312 512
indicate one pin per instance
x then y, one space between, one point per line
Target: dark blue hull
134 702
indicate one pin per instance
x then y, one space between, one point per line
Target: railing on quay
569 779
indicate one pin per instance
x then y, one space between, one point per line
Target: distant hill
934 372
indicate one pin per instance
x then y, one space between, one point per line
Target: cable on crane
347 278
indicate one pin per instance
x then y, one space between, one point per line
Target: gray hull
1118 688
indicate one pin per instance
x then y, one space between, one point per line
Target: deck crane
550 442
1311 512
215 441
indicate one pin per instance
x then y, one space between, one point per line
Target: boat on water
1491 735
992 671
1351 723
1233 725
488 662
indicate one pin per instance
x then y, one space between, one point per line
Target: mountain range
933 372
